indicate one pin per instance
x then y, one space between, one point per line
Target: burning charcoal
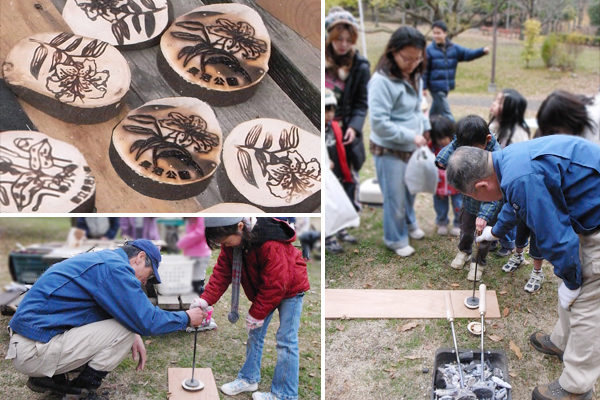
446 398
445 392
440 381
425 370
501 394
501 383
498 372
469 368
466 356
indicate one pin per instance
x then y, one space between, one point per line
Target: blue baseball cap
151 251
213 222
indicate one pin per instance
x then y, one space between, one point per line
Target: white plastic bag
339 211
421 173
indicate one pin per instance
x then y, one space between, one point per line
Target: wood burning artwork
42 174
216 52
273 163
70 77
122 23
167 148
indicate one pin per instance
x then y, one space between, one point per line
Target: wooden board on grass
177 375
406 304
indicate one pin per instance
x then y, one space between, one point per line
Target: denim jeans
285 377
398 211
440 106
526 236
441 207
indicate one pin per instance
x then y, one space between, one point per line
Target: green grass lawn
377 359
223 350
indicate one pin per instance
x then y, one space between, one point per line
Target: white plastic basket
175 274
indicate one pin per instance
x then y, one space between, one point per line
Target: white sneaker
471 276
460 260
416 234
405 251
536 278
238 386
442 230
264 396
455 231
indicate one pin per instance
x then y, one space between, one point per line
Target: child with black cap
273 275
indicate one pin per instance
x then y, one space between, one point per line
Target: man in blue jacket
442 59
553 185
89 311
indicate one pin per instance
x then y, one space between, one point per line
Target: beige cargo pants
102 345
577 332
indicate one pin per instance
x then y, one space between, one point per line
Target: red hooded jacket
273 269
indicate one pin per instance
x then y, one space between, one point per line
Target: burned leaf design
246 167
149 23
142 118
74 44
61 38
95 48
39 56
4 199
140 130
149 4
253 135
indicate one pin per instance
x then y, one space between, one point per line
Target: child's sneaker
416 233
238 386
455 231
471 276
536 278
513 263
264 396
503 252
460 260
442 230
405 251
332 245
344 236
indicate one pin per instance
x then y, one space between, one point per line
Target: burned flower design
79 80
288 174
236 37
190 130
106 9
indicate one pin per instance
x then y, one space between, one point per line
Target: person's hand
486 50
349 136
197 315
420 141
486 235
424 92
253 323
199 302
567 296
331 165
138 352
480 223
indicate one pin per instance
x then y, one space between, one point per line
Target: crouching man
89 311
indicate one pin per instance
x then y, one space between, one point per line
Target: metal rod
450 317
194 362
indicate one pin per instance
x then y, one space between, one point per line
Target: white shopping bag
421 173
339 211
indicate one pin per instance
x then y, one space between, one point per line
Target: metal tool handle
449 309
482 300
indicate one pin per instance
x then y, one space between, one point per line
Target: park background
222 349
383 359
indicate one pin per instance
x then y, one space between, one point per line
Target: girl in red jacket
274 276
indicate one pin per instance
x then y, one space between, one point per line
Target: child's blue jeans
285 377
441 207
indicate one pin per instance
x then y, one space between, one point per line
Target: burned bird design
288 174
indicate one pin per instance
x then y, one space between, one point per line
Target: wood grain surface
21 18
177 375
408 304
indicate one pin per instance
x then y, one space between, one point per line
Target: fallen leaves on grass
350 274
407 327
369 260
340 327
505 312
367 286
311 374
412 357
454 285
515 349
356 251
502 292
495 338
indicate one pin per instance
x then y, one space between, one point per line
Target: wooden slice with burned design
71 77
41 174
122 23
167 148
273 163
217 53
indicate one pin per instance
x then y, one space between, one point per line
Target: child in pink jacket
193 244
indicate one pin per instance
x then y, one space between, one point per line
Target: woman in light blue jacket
397 129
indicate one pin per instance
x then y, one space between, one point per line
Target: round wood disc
122 23
232 208
217 50
273 163
71 77
167 148
42 174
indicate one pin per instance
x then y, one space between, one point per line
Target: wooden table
290 92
